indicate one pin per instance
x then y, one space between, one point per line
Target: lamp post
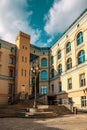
35 71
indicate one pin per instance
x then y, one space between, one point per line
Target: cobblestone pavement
69 122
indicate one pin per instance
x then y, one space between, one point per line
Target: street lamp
35 71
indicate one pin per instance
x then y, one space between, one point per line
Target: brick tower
22 63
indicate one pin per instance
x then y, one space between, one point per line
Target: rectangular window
12 49
22 58
11 60
83 101
70 101
60 87
11 72
70 83
0 45
10 90
52 88
82 80
25 73
43 89
25 59
0 57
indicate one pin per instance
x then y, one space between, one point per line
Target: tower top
22 34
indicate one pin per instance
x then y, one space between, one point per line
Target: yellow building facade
63 67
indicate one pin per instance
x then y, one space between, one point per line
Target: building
63 67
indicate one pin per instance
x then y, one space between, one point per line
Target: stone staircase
43 110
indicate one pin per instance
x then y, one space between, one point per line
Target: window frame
82 79
68 47
43 62
59 55
79 38
69 83
69 63
81 57
42 75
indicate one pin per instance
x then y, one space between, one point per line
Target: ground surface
69 122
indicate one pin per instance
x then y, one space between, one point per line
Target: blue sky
43 20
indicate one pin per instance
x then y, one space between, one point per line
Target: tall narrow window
0 45
69 63
44 62
10 89
80 38
59 86
44 74
59 69
52 73
70 83
43 89
52 87
11 60
83 101
22 58
51 60
81 57
59 54
82 80
11 72
68 47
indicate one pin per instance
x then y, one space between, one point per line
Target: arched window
68 47
44 74
69 64
79 38
81 57
44 62
52 73
59 69
59 54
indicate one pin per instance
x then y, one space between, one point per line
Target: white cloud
62 14
13 18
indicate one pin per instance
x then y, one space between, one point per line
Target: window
59 54
52 73
59 69
25 48
83 101
69 64
44 74
0 45
81 57
82 80
59 86
10 90
51 60
11 60
23 72
22 58
25 59
52 87
43 89
68 47
70 101
12 49
44 62
22 47
70 83
11 72
0 57
79 38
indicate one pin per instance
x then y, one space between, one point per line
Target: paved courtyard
69 122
